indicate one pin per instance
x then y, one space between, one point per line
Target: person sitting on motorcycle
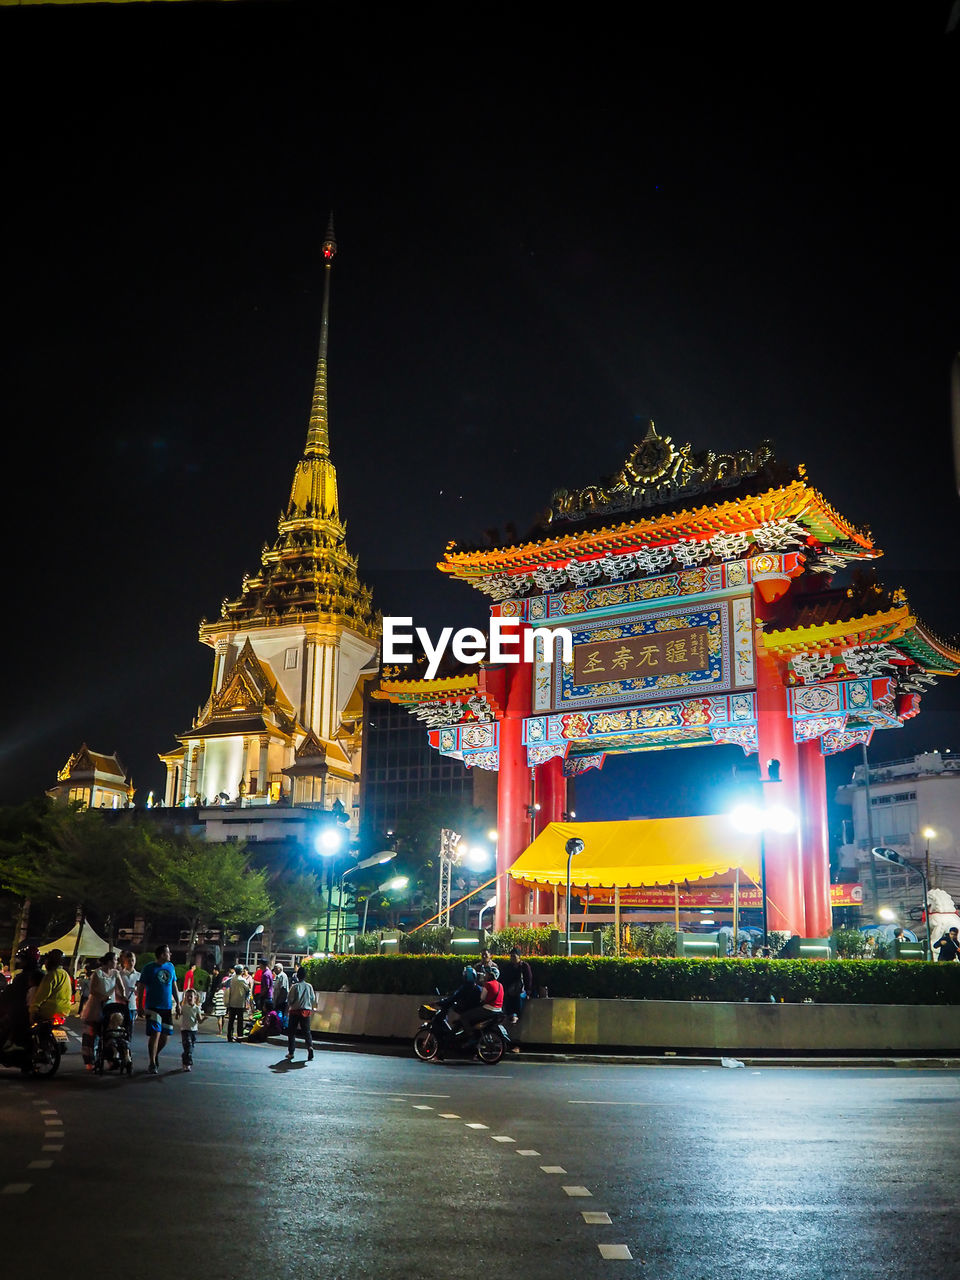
491 1001
54 993
467 996
15 1002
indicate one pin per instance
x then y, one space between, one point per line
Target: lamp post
572 847
898 860
378 859
328 844
256 933
398 882
928 835
491 902
757 820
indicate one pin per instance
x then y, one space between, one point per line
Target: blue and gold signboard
676 652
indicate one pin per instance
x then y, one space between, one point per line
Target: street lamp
572 847
928 835
378 859
491 902
397 883
256 933
754 820
328 843
898 860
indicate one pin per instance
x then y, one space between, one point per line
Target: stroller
113 1044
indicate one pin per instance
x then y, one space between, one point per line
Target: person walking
281 990
130 976
300 1005
266 989
106 987
238 993
948 947
517 978
217 998
191 1015
161 1002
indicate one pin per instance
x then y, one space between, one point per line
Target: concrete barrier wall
676 1024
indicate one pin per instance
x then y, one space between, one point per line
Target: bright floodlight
398 882
477 856
301 931
780 819
493 834
329 840
747 818
886 914
928 833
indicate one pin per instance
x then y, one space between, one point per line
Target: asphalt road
359 1165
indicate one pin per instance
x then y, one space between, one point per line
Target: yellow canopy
656 851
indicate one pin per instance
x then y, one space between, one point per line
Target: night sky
540 249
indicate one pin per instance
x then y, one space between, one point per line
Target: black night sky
540 247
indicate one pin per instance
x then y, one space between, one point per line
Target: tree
195 881
73 856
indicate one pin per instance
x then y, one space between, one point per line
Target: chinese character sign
683 651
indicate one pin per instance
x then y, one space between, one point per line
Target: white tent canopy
91 944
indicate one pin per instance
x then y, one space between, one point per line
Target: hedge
596 977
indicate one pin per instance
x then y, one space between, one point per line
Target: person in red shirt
491 1001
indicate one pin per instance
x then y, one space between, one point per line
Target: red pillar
551 792
513 786
783 849
815 840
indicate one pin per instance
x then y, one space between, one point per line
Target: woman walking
106 987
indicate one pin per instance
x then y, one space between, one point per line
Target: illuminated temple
291 654
711 598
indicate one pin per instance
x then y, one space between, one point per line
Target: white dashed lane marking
613 1251
502 1138
50 1111
577 1191
422 1106
54 1124
54 1147
15 1188
552 1168
595 1219
40 1164
448 1115
478 1126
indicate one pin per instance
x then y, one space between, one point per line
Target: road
359 1164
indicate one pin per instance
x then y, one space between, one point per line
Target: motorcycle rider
54 993
491 1001
467 996
15 999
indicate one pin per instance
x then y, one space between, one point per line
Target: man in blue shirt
159 1000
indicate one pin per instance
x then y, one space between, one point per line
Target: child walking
191 1016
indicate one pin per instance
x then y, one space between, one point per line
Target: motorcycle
436 1039
41 1056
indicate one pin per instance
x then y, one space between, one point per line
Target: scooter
41 1056
437 1040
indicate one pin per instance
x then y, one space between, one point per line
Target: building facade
94 780
914 808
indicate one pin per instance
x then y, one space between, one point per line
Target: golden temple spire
318 434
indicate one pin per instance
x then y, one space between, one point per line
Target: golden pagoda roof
307 575
818 629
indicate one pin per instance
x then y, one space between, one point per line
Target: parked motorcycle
41 1057
437 1039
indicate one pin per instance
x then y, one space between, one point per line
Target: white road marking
612 1251
55 1147
552 1168
595 1219
57 1124
15 1188
422 1106
527 1152
447 1115
40 1164
50 1111
478 1126
578 1191
502 1138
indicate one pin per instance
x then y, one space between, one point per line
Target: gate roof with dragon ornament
672 542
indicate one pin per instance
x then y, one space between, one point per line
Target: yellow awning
656 851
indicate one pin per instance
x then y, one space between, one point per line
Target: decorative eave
797 502
396 689
897 627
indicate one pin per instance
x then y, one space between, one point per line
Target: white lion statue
943 914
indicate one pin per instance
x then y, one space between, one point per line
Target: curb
394 1049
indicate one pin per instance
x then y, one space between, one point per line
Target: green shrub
663 978
531 941
849 944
